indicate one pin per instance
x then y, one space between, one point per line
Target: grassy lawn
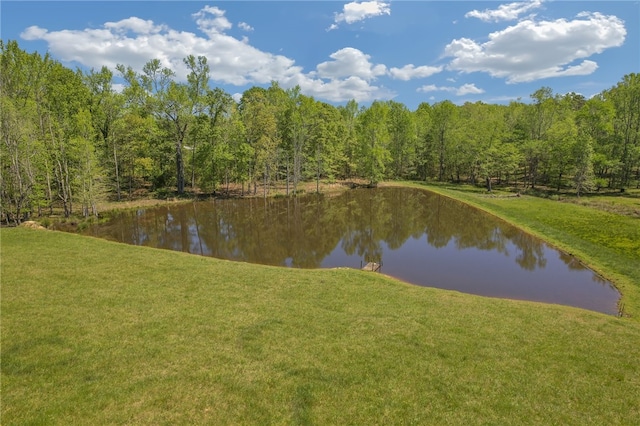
95 332
602 231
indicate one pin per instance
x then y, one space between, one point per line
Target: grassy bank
603 235
95 332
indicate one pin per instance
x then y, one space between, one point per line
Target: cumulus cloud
34 33
433 88
118 87
349 75
350 62
531 50
359 11
133 42
245 27
135 25
339 90
211 20
232 60
504 12
468 89
409 72
237 96
465 89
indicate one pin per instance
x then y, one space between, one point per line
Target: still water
418 236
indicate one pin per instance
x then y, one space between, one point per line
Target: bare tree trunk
318 178
193 165
49 191
115 161
264 182
181 134
179 167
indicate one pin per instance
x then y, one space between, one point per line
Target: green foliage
162 133
348 114
444 116
403 140
259 119
373 153
583 177
625 97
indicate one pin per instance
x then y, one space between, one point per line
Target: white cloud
339 90
118 87
135 25
504 12
468 89
349 76
433 88
34 33
531 50
232 60
465 89
245 27
506 99
410 71
359 11
133 42
211 20
350 62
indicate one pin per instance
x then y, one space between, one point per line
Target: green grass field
95 332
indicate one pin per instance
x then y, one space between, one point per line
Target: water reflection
419 236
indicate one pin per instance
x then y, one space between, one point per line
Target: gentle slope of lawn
606 241
95 332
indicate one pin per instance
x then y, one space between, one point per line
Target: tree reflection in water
421 237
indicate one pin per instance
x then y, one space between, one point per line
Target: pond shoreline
607 265
626 285
422 237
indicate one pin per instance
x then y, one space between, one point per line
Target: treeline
69 139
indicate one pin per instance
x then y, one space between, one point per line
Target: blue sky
408 51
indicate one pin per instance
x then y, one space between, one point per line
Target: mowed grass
606 240
95 332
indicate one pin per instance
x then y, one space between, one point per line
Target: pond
417 236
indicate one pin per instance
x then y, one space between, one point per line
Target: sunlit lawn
95 332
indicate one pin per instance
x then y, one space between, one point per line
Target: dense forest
70 140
